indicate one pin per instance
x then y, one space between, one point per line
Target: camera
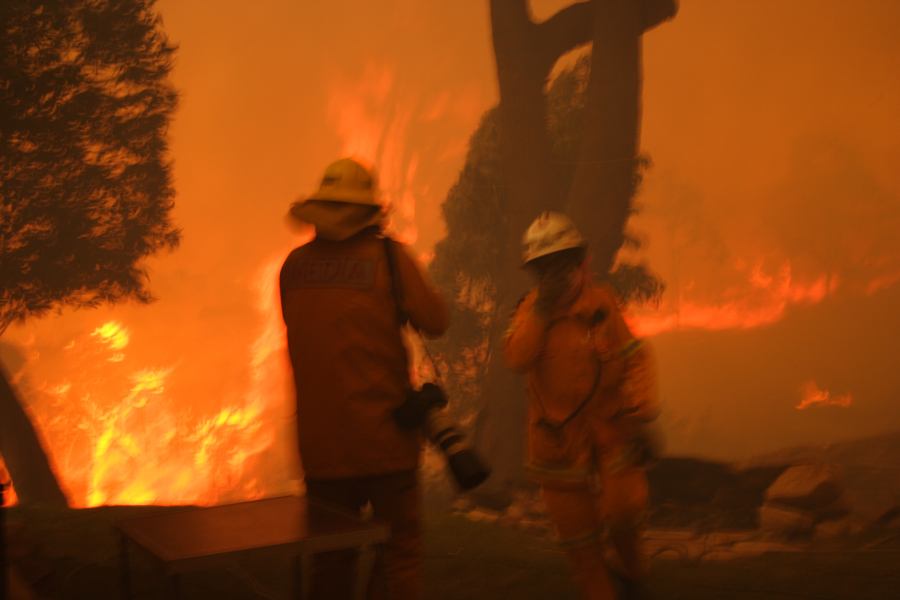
425 408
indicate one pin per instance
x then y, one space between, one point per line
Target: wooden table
203 537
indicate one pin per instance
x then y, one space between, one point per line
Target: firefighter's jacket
349 362
583 361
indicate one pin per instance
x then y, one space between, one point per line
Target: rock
837 529
536 509
671 535
492 498
785 521
809 487
758 547
748 489
462 504
837 510
515 512
721 554
890 521
876 508
687 481
535 526
483 515
728 538
18 589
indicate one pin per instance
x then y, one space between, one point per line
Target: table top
201 532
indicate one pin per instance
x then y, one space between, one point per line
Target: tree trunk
23 453
600 196
525 156
603 185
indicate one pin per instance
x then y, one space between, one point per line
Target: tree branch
512 31
574 25
655 12
569 28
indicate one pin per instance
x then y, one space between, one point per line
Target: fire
812 395
113 334
762 300
9 494
372 118
883 282
123 433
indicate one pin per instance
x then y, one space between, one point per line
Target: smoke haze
771 210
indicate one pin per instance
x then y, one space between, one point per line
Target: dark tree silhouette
575 149
85 182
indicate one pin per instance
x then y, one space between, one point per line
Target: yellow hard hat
346 180
550 232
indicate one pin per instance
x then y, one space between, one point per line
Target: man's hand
557 290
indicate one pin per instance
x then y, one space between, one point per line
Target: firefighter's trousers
591 520
395 500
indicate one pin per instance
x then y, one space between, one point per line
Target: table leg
4 574
124 567
298 577
175 585
365 567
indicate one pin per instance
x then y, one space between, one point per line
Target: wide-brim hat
346 202
346 180
337 220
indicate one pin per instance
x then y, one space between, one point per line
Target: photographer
351 371
591 398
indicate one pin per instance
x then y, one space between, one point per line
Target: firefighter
351 370
591 391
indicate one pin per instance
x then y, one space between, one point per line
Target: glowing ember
812 395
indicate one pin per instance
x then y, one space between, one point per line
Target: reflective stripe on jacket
349 363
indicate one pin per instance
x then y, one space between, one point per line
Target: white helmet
550 232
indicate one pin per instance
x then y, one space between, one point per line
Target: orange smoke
812 395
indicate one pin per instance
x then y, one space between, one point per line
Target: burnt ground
72 554
697 506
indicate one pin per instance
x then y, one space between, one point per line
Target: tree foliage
468 262
85 180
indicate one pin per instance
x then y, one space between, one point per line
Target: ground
72 555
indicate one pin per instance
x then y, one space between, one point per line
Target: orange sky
774 134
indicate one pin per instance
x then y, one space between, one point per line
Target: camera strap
556 427
394 274
397 293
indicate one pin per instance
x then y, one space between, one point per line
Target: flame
763 299
812 395
113 334
123 433
372 119
882 282
9 493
